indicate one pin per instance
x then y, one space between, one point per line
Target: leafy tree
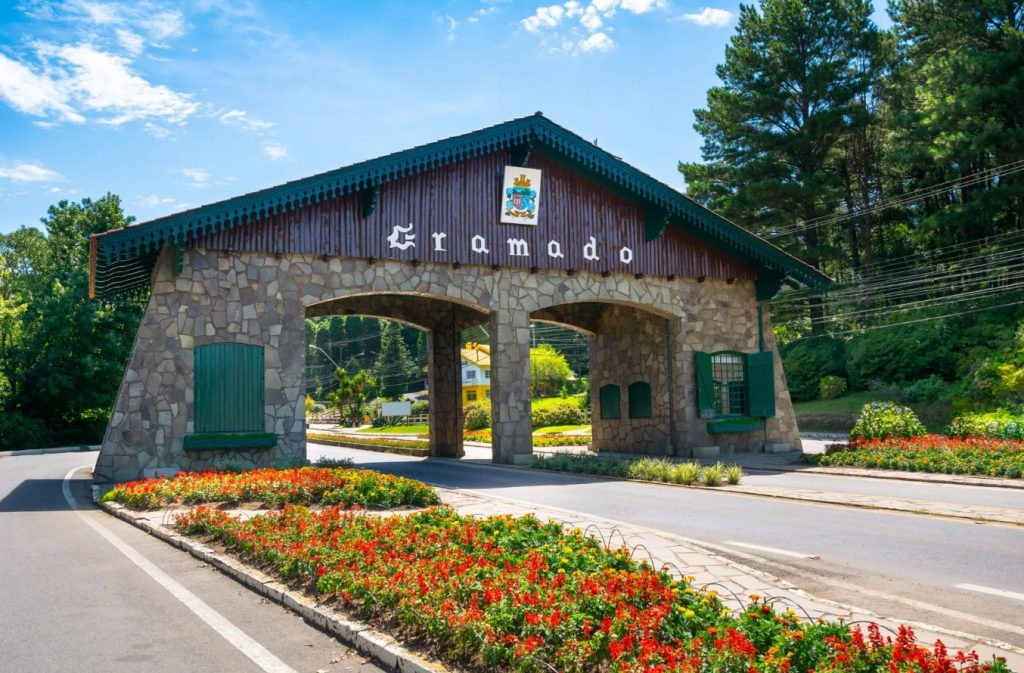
352 396
63 355
548 371
793 82
394 365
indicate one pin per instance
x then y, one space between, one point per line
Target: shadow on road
37 495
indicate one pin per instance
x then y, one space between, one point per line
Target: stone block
706 451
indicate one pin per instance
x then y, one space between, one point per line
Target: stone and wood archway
659 281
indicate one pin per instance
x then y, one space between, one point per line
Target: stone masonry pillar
511 425
444 383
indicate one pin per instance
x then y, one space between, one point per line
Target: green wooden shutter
611 402
705 385
228 388
761 384
640 399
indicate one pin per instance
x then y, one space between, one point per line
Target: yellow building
476 373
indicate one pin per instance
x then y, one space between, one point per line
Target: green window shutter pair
228 388
760 375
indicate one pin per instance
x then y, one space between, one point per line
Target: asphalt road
70 600
897 565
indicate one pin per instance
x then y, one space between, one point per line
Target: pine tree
793 82
394 363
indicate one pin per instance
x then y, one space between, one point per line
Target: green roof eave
125 257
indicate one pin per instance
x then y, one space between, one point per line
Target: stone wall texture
644 329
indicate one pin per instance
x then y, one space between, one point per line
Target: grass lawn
840 414
397 430
552 429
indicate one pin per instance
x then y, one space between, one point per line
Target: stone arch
443 320
629 344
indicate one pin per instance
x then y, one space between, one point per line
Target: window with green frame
228 388
735 384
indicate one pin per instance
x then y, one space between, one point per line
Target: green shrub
733 474
685 473
477 416
807 361
712 475
886 419
831 387
1000 423
420 407
563 412
18 431
899 354
931 389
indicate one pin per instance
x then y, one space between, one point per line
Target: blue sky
175 105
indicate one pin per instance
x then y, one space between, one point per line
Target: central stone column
511 425
445 385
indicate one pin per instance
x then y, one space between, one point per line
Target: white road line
772 550
231 633
994 592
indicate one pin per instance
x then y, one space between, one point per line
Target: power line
922 193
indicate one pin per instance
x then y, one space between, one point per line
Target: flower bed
934 453
646 469
505 594
423 443
275 487
553 440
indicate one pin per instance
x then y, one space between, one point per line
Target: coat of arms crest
521 195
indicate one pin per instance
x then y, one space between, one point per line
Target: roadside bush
831 387
420 407
561 413
1000 423
886 419
931 389
808 360
18 431
899 354
477 417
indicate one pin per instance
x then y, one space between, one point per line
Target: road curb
377 645
56 449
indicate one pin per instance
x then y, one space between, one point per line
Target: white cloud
163 25
241 119
452 26
596 42
33 94
544 17
592 32
22 171
642 6
196 176
102 82
275 150
164 203
133 43
481 13
709 17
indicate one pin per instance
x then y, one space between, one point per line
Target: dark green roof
125 257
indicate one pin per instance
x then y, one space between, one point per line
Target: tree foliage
62 355
548 371
352 395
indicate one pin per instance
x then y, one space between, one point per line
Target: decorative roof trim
125 257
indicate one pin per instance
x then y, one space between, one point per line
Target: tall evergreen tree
394 364
962 96
793 82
